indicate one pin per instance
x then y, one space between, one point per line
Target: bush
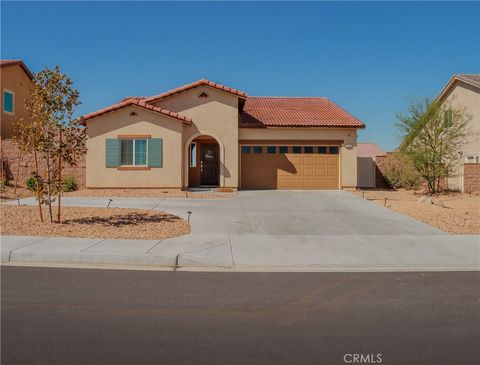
32 183
3 184
69 184
399 171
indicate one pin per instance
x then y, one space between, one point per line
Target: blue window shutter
112 152
7 102
155 152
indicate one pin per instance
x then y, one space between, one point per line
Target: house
207 134
15 83
369 176
463 92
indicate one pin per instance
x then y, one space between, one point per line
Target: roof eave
206 83
114 108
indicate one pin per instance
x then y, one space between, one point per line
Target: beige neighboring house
463 92
207 134
15 84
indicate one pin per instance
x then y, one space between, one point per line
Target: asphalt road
74 316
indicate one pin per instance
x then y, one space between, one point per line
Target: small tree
53 132
433 134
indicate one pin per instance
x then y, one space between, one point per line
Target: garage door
289 167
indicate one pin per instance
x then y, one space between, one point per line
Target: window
334 150
283 149
297 149
272 149
448 118
193 154
308 149
246 149
8 101
257 149
133 152
322 150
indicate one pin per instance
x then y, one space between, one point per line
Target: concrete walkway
252 252
272 230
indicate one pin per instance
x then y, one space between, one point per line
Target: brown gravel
93 223
149 193
9 194
451 212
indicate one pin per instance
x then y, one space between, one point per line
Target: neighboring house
207 134
368 175
15 84
463 92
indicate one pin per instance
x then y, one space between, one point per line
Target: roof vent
203 95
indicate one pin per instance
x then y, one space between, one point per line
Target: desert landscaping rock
451 212
119 223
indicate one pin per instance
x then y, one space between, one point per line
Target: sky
371 58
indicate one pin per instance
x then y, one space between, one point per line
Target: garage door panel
289 171
332 172
308 171
308 160
320 160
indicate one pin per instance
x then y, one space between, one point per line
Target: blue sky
370 58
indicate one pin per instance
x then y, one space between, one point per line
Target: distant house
368 174
15 84
207 134
463 92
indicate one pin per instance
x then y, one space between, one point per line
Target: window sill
130 168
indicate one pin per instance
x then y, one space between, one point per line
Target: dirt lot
93 223
452 212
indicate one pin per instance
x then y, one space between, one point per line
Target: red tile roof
263 111
140 104
202 82
5 63
369 150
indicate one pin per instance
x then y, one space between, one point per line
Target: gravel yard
150 193
9 194
93 223
451 212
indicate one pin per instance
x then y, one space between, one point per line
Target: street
88 316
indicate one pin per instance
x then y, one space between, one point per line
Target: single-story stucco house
207 134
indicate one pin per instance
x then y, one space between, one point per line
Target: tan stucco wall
14 79
216 116
348 156
465 97
146 122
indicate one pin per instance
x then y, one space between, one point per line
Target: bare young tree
433 134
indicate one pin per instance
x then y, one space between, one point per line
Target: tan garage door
289 167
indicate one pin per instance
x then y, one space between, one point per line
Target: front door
209 166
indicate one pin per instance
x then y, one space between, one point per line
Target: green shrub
3 184
399 171
32 183
69 184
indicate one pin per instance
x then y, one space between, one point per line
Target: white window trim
194 164
133 151
13 102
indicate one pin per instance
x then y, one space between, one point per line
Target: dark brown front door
209 166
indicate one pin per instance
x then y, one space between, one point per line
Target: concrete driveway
276 212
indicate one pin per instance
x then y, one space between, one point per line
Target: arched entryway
204 157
